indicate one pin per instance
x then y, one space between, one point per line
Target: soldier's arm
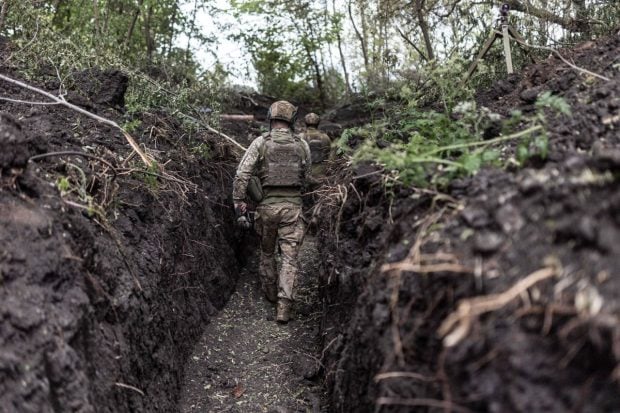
245 170
310 180
332 148
308 169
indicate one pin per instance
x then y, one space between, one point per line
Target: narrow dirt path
246 362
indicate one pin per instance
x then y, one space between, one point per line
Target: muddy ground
105 281
399 263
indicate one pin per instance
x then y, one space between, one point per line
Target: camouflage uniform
319 143
278 216
320 146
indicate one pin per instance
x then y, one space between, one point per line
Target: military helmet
312 119
282 110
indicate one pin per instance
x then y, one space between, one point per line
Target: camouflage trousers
279 225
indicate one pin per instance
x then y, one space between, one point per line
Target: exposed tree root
458 324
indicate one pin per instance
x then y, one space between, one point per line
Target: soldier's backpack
319 147
255 189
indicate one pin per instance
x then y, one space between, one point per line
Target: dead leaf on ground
238 391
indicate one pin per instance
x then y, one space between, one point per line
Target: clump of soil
105 278
389 289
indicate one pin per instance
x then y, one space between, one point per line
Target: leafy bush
167 81
430 148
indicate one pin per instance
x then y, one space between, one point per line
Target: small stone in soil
488 241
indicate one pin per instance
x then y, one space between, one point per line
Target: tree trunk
106 18
148 34
574 25
3 11
342 59
421 15
359 36
132 25
191 32
364 25
580 10
96 30
173 20
318 77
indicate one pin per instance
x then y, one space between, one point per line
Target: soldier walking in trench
319 143
281 161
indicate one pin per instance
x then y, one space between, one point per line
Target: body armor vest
283 163
319 146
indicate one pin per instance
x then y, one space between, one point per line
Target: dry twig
405 374
554 51
60 100
212 130
127 386
75 153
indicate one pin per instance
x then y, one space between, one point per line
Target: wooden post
506 37
485 48
237 118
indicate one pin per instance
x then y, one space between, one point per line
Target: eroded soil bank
105 281
399 262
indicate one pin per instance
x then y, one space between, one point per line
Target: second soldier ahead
320 146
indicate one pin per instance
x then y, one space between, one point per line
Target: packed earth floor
246 362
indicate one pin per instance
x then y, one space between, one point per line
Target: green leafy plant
203 150
431 148
74 185
149 176
63 185
132 125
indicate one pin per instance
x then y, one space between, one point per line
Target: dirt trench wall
99 313
553 347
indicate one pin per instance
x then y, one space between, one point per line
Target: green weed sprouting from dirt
75 183
63 185
429 148
203 150
131 125
149 176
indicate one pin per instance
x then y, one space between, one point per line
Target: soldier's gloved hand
240 208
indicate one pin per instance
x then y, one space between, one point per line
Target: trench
246 362
173 323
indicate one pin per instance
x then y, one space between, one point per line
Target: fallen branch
27 102
427 268
237 118
405 374
211 129
552 50
75 153
60 100
458 324
252 101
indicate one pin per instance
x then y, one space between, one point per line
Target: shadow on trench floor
246 362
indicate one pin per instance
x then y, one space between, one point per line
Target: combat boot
283 313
